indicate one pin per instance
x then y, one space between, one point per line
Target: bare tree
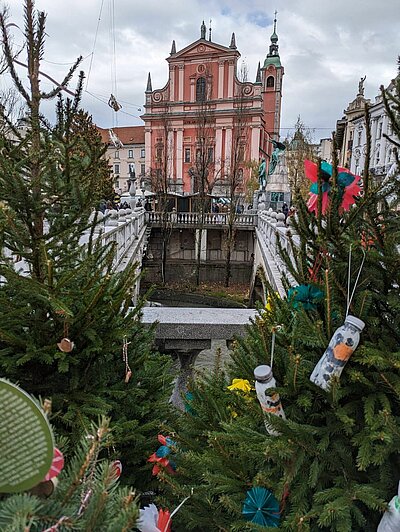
204 174
299 147
237 161
160 177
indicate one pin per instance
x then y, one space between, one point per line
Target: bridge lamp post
132 186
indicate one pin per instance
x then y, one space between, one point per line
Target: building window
130 154
379 132
240 175
359 138
159 154
276 197
187 155
210 155
198 155
142 169
200 90
241 153
270 82
116 155
142 153
116 168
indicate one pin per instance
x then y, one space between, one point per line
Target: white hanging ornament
148 518
390 521
341 346
271 404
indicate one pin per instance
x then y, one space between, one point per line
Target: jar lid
355 321
263 373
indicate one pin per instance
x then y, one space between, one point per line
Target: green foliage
335 464
87 496
59 282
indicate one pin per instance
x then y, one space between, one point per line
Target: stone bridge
131 231
187 331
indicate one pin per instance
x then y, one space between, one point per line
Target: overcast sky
325 46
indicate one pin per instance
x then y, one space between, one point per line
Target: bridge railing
124 227
194 218
271 228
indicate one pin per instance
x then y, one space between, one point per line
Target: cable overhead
94 43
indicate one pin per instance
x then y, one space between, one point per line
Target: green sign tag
26 440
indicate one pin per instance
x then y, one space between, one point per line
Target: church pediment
200 48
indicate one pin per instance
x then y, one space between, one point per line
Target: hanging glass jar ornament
271 404
390 521
341 346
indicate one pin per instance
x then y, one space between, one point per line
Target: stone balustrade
194 219
124 227
271 228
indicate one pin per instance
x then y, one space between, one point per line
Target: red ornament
164 520
56 465
116 468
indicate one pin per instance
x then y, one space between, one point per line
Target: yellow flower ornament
241 385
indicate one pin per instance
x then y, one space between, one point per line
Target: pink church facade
205 69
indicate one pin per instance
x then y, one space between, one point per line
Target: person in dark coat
285 210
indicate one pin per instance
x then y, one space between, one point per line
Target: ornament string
128 371
56 526
274 329
350 297
177 509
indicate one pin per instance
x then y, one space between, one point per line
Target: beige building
345 127
126 154
324 150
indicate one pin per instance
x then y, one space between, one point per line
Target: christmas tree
322 453
68 330
84 496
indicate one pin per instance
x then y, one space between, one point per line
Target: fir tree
86 496
51 179
334 464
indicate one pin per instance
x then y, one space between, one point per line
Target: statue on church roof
203 30
361 86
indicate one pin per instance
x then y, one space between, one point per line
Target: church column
221 79
170 150
179 155
255 140
172 82
181 84
231 73
228 147
147 143
192 89
218 150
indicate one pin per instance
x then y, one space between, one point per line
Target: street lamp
143 189
132 186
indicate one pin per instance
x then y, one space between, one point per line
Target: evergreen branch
368 149
10 59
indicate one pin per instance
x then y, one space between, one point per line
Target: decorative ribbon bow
347 184
160 456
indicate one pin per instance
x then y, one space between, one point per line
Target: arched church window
270 81
200 90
